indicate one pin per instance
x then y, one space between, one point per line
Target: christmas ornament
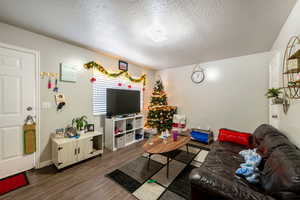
93 79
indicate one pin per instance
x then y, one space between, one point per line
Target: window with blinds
102 83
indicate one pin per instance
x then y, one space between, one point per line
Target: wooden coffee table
166 148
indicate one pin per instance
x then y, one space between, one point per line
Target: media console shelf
67 151
121 132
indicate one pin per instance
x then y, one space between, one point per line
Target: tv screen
121 102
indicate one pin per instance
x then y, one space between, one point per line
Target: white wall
232 95
78 95
289 123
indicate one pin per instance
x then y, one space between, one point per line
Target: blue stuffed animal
249 169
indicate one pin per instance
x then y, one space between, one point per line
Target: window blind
102 83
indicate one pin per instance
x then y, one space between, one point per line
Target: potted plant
273 93
79 123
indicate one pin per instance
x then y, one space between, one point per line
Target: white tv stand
119 135
67 151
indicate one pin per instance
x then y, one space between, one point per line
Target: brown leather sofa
280 170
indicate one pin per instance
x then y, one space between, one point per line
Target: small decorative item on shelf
294 62
292 84
90 128
129 127
79 123
71 132
273 93
174 134
118 130
60 133
179 123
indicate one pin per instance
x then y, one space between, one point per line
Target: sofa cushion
227 135
224 159
281 174
262 131
271 142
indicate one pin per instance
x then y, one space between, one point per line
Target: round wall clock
198 75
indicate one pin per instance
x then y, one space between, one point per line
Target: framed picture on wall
68 73
123 65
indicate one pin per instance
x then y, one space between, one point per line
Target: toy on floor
151 181
249 169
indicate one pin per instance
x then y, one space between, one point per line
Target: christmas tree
160 115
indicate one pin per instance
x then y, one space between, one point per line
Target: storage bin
120 141
129 137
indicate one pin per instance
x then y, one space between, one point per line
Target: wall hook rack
49 74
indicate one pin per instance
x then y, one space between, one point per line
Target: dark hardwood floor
85 180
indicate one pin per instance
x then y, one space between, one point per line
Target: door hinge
60 148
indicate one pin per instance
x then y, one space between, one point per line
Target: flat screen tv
122 102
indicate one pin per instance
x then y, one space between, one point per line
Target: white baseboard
44 164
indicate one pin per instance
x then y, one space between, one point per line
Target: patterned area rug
135 175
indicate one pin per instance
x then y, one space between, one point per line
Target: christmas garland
92 64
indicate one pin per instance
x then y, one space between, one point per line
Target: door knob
29 108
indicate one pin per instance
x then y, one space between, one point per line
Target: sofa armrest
204 181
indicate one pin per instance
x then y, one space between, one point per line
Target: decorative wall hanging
291 72
198 74
50 75
49 83
291 69
55 89
68 73
29 130
92 65
60 101
123 65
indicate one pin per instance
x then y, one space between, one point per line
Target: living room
207 65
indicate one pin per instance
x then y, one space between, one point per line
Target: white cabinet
121 132
67 151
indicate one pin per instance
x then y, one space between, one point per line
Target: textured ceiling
196 30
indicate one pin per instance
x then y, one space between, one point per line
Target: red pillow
226 135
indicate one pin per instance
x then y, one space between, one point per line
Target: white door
17 93
274 82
